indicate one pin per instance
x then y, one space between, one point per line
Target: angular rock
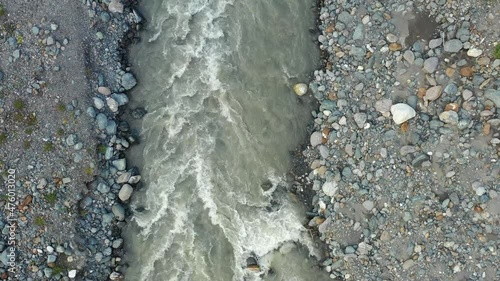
128 81
330 188
112 104
360 119
433 93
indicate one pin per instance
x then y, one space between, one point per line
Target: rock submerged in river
128 81
300 89
401 112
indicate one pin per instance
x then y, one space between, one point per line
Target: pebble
115 6
368 205
128 81
453 46
430 64
449 117
434 43
360 119
112 104
474 52
72 273
391 38
300 89
125 192
316 139
98 103
402 112
330 188
50 41
118 211
433 93
120 164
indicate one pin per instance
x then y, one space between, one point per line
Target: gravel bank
404 149
65 182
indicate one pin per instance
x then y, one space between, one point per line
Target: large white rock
115 6
330 188
401 112
316 139
474 52
125 192
300 89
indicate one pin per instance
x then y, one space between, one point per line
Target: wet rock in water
453 46
402 112
128 81
138 113
120 164
300 89
316 139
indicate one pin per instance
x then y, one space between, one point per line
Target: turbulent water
216 77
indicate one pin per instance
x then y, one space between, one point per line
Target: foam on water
217 127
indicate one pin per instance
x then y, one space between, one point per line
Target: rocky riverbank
65 181
405 146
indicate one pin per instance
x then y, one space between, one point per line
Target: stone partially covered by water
300 89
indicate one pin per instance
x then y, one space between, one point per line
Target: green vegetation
31 120
18 104
101 148
26 144
2 10
48 146
19 39
60 132
3 138
39 221
57 269
89 171
28 131
496 51
51 198
61 107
